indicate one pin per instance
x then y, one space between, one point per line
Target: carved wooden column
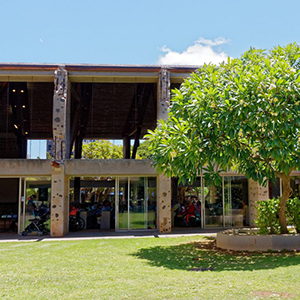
60 182
163 182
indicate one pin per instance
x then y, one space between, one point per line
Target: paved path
109 234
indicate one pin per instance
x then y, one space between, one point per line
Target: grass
145 268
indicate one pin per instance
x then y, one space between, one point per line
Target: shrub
293 212
267 218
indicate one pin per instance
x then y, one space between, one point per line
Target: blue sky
142 32
134 32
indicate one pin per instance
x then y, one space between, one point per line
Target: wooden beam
77 185
86 99
137 109
136 142
79 125
126 147
130 127
141 115
3 88
82 96
76 116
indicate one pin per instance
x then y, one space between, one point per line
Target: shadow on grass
204 256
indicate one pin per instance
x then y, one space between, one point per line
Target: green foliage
102 150
143 150
293 212
107 150
243 115
267 216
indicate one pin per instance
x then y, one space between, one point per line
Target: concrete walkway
108 234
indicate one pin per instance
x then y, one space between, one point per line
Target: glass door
150 191
9 204
236 213
122 204
35 197
135 203
138 204
22 203
213 204
228 218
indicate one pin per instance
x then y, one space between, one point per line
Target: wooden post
126 147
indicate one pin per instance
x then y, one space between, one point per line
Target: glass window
123 204
213 205
295 180
137 203
152 202
236 201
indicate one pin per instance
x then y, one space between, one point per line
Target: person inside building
99 213
34 210
198 208
198 212
180 213
189 212
31 203
106 206
73 211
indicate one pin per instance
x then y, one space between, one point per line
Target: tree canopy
242 114
102 150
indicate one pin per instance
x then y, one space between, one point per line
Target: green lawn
145 268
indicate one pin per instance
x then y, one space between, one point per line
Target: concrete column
60 114
256 193
60 182
163 94
163 182
59 202
164 204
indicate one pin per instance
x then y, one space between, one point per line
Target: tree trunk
286 192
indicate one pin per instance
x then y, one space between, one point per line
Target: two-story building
71 103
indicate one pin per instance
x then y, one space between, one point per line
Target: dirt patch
273 295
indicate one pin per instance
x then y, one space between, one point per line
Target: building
71 103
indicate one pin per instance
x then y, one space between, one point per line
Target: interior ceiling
111 111
28 106
116 110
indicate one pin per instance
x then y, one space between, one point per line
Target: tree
107 150
242 114
143 150
102 150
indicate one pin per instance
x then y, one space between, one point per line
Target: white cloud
201 52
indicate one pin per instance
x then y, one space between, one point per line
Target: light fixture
13 91
26 132
22 91
15 105
23 106
16 126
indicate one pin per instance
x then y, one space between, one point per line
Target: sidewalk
108 234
